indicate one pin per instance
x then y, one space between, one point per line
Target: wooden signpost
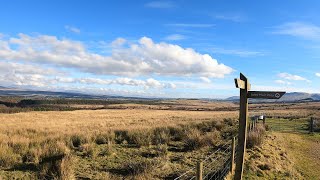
244 86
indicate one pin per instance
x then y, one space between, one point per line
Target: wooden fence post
244 86
233 151
199 170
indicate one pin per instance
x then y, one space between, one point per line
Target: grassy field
113 143
139 140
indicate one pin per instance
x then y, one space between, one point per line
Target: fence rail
215 166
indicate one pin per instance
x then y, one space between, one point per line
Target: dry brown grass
43 140
71 122
27 138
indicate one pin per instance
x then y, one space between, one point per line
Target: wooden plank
242 136
239 83
265 94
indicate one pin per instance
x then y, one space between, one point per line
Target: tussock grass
140 137
77 140
7 157
256 136
161 135
101 144
138 167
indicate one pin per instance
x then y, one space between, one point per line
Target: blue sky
160 48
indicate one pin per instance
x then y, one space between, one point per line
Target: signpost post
244 86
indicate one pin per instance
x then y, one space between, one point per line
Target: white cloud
175 37
299 29
149 83
292 77
39 80
24 80
142 58
72 29
191 25
65 79
283 82
205 79
160 4
19 68
118 42
317 74
236 52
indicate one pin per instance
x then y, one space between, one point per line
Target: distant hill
4 91
233 98
288 97
9 91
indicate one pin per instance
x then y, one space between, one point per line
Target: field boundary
216 166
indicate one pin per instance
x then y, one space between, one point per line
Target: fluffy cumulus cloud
317 74
50 62
32 75
143 58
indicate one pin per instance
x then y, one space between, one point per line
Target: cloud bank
143 58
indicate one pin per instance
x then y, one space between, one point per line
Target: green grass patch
288 125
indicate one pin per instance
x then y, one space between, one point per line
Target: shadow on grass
171 176
119 171
24 167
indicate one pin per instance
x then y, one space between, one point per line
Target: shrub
100 139
211 138
77 140
176 133
105 138
140 137
161 136
193 139
255 137
121 136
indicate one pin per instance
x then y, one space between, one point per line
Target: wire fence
216 166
